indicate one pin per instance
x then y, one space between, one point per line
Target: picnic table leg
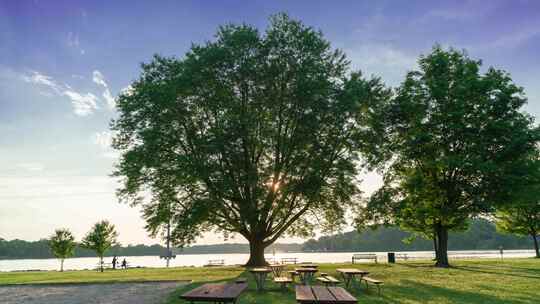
346 279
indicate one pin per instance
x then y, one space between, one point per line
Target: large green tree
62 244
257 134
100 238
456 143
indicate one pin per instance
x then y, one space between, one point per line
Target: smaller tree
522 220
102 237
62 244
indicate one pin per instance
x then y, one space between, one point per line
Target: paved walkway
118 293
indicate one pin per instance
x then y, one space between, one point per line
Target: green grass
468 281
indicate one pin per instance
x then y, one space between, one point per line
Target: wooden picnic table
308 265
276 269
215 292
323 295
349 275
260 276
306 274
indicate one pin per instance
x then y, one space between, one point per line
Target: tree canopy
100 238
456 144
254 134
62 244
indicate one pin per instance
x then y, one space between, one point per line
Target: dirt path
118 293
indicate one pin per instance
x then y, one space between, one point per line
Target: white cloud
99 79
42 79
32 167
127 90
104 141
83 104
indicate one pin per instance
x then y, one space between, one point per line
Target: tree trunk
256 253
442 247
62 264
536 245
101 263
435 246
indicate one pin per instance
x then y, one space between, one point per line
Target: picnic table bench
375 282
328 280
283 281
215 263
349 275
215 292
364 256
323 295
293 274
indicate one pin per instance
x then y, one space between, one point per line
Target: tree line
480 235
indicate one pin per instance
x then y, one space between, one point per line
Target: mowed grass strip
468 281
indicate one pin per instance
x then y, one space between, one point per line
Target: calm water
233 259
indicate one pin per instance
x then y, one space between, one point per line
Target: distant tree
455 145
62 244
521 220
102 237
258 135
158 214
523 217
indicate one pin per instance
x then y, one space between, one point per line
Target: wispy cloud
99 79
41 79
104 141
73 42
31 167
383 60
84 104
467 10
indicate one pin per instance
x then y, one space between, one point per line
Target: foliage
256 135
100 238
62 244
456 145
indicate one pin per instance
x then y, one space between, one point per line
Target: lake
239 258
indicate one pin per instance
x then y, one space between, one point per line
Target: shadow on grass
483 269
272 293
410 291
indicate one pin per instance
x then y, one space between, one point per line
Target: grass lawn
469 281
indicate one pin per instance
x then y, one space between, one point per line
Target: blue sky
63 62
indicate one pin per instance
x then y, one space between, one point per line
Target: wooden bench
283 281
212 263
375 282
328 280
402 256
323 295
367 256
289 260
